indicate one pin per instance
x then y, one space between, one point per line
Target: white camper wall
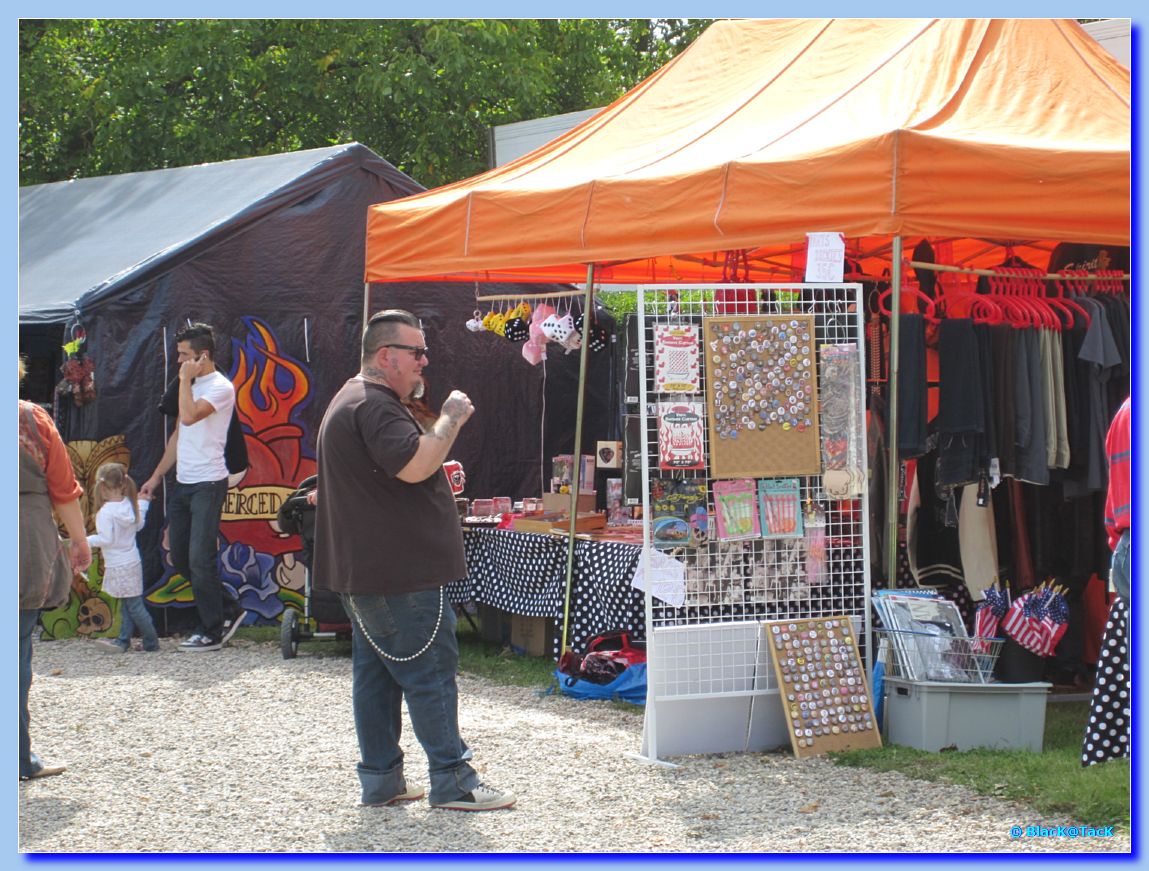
1113 34
511 141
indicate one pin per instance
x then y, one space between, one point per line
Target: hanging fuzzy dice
517 330
597 336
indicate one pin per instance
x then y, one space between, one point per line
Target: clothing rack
514 297
1048 276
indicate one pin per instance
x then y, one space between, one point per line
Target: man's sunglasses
419 352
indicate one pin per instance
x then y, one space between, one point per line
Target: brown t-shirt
376 534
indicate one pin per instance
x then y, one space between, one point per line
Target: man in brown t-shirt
387 539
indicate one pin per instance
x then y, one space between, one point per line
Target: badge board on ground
822 685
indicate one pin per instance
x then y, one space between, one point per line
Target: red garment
1024 578
1095 602
52 456
1117 499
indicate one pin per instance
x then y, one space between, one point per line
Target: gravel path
242 751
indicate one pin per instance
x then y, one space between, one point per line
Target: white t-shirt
199 452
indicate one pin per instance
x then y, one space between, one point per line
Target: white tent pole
587 315
366 303
892 433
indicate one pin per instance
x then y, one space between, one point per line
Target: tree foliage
107 96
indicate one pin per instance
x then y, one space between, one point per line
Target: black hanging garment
234 451
960 422
912 403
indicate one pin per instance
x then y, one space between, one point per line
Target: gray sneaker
481 798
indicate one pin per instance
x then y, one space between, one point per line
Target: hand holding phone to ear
189 369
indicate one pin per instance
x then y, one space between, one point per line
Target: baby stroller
323 616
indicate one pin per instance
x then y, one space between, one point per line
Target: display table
525 573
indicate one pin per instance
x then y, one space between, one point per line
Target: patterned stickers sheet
823 685
676 358
681 435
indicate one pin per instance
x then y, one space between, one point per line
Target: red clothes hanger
930 313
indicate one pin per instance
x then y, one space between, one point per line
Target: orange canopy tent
978 132
1010 131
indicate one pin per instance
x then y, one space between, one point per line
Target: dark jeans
134 615
29 762
194 512
400 625
1119 571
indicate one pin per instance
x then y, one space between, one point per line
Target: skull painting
94 616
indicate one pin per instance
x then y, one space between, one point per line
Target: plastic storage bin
931 715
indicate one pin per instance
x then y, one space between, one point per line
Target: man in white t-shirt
195 505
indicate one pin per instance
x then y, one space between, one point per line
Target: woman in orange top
47 483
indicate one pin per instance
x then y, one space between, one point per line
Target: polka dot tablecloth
1107 734
525 573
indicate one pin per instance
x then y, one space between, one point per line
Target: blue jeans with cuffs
400 625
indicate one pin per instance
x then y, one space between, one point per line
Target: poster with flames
681 430
257 561
676 358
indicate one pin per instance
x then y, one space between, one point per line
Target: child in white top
120 514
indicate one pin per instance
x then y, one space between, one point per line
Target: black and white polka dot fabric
514 572
525 573
1107 733
602 598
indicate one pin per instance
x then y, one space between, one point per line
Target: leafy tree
107 96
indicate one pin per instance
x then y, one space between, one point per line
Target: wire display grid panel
711 644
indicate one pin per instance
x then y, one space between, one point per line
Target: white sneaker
230 625
481 798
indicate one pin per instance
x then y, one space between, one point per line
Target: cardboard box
532 636
494 625
583 523
537 522
562 501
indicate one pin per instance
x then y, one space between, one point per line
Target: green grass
1052 781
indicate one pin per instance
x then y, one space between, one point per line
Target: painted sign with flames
271 390
256 560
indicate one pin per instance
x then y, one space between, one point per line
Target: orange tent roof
764 130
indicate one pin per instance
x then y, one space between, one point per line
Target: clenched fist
458 407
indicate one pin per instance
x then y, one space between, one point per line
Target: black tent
269 250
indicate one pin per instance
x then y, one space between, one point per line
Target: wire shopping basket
923 656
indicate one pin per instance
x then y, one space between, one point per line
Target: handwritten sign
825 258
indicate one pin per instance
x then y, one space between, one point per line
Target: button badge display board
762 395
822 685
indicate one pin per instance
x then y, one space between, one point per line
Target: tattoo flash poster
676 359
681 430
